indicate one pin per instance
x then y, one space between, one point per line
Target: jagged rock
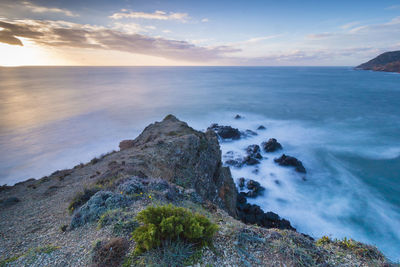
241 182
250 161
271 145
255 189
253 214
225 132
291 161
261 127
254 151
238 117
126 144
175 152
96 206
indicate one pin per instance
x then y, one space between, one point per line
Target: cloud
8 37
393 7
259 39
129 27
350 25
157 15
205 20
67 34
320 35
42 9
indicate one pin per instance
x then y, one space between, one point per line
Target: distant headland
388 61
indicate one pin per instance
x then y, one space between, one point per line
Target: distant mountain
389 61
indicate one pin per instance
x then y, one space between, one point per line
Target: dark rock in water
291 161
225 132
253 155
238 117
241 182
261 127
271 145
234 162
255 189
241 198
253 214
250 161
254 151
249 133
9 201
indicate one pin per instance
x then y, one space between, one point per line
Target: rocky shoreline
61 219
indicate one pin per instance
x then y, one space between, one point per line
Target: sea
343 124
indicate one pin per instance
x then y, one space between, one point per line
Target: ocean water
343 124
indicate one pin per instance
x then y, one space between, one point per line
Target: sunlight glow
29 54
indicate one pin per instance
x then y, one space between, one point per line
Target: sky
186 32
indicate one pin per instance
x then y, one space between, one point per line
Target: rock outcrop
389 62
271 145
173 151
285 160
225 132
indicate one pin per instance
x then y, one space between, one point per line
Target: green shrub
323 240
82 197
171 223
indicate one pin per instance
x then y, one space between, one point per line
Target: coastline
174 157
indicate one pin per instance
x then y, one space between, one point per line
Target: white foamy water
329 199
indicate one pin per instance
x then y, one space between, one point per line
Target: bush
96 206
171 223
81 198
109 254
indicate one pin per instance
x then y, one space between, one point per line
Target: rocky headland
85 216
389 62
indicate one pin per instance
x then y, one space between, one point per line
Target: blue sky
123 32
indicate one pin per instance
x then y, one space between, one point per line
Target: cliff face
175 152
389 62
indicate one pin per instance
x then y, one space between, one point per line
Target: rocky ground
63 219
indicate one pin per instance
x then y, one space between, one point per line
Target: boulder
285 160
175 152
225 132
261 127
238 117
250 161
254 151
125 144
271 145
